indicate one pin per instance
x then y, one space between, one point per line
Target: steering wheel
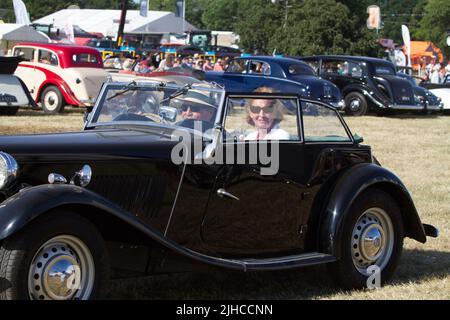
132 117
192 124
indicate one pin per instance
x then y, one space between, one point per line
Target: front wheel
59 257
372 236
356 104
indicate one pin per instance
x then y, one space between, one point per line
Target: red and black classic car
170 178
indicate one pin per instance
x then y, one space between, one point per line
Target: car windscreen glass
84 58
342 68
47 57
26 53
261 118
322 124
147 104
298 69
384 70
237 66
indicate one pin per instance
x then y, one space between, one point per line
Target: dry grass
417 149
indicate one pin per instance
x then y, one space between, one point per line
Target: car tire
356 104
375 215
59 241
8 111
52 100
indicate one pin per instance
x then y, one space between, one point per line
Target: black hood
92 144
402 90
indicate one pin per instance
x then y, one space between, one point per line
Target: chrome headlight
8 169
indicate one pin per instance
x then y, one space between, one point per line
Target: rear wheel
356 104
52 100
372 236
8 111
59 257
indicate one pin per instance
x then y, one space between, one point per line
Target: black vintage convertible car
169 178
367 84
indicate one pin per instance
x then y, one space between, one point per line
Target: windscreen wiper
177 93
127 88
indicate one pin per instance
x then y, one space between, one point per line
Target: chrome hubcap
372 240
62 269
355 104
51 100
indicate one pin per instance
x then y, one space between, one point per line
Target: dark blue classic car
249 73
129 193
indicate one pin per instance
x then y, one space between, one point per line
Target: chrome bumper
434 107
406 107
88 102
338 105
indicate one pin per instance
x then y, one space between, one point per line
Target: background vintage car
428 99
366 83
249 73
13 92
129 206
58 74
440 90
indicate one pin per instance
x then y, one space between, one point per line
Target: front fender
25 206
348 187
30 203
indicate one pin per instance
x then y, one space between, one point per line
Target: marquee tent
11 33
107 21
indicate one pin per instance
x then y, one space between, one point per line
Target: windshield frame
94 115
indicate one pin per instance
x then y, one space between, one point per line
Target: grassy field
416 148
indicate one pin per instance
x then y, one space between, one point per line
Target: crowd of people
153 63
435 72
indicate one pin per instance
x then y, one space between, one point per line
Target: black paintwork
430 101
383 91
139 197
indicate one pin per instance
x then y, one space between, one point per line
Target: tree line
294 27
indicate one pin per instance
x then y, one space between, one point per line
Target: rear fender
348 187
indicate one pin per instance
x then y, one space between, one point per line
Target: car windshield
149 103
384 70
297 69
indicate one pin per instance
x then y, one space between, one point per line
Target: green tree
220 14
195 10
256 22
434 24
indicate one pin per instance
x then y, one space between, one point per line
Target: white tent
11 33
107 21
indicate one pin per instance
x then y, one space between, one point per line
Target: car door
255 206
26 69
254 214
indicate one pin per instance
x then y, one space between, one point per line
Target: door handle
223 193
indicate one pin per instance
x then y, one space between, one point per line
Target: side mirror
168 113
358 139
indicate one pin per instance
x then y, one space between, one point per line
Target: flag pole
184 16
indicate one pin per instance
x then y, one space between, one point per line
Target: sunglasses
267 109
185 108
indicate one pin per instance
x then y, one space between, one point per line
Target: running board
301 260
